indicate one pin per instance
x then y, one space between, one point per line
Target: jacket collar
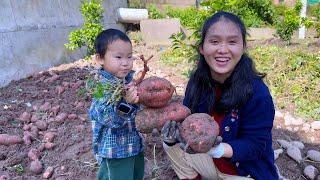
110 77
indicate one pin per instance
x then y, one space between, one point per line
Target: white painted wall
33 34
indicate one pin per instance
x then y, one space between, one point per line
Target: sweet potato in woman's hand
199 131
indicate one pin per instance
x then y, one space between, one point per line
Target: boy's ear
98 59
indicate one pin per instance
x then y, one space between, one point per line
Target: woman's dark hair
106 37
236 89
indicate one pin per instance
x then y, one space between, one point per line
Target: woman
226 86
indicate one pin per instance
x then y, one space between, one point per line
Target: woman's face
222 49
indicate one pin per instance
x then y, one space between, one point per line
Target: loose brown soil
72 156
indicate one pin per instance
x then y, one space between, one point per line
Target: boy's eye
214 42
118 57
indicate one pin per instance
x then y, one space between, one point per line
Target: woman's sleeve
254 131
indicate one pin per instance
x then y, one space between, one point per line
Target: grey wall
33 34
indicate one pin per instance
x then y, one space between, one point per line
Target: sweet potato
49 145
8 140
314 155
79 105
34 154
42 125
199 130
277 153
310 172
4 177
72 116
55 110
36 167
27 137
25 117
295 153
35 117
155 92
60 89
45 107
48 172
49 136
150 118
61 117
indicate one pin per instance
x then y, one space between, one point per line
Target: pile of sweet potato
155 93
200 131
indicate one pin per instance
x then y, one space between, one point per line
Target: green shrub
254 13
92 13
189 17
289 23
314 10
154 13
280 9
264 10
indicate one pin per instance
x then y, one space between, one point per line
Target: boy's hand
131 93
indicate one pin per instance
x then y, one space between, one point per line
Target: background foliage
92 12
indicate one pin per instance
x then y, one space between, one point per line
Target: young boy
117 145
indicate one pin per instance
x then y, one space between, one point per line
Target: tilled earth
60 90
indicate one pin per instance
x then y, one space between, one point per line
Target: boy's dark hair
106 37
236 89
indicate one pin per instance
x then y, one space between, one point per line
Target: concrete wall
33 34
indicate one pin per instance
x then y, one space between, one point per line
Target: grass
293 76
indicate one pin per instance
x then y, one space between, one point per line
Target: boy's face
118 59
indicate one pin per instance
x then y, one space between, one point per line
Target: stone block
158 31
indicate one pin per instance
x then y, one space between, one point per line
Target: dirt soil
71 157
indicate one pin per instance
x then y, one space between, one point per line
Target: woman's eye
118 57
232 42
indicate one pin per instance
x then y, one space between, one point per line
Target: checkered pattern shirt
114 135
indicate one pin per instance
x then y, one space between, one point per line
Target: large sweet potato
150 118
155 92
7 140
199 130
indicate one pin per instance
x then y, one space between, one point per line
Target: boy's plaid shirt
113 136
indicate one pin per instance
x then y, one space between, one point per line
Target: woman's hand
131 93
221 150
